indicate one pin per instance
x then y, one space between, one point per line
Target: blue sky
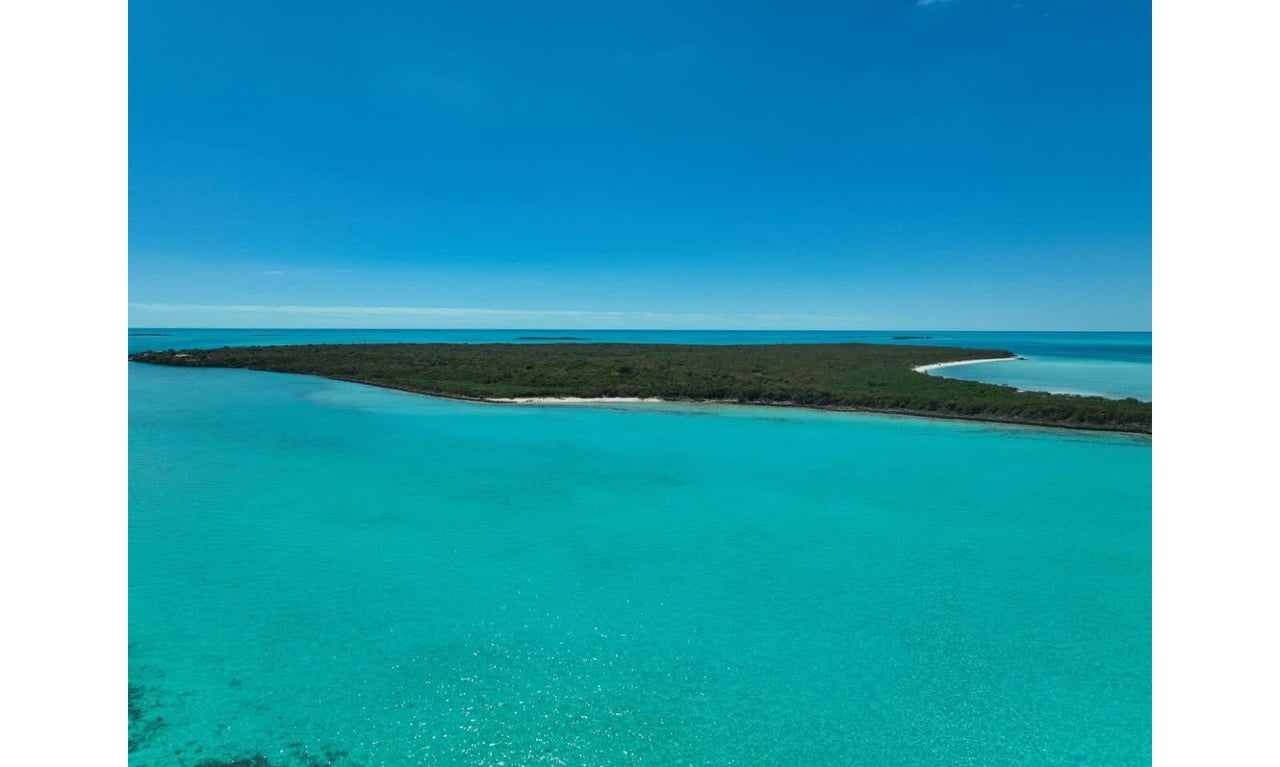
950 164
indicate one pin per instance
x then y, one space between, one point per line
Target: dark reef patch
328 757
135 704
299 755
258 760
142 727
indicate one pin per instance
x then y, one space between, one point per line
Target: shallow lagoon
322 572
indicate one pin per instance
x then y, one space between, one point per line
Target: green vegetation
871 377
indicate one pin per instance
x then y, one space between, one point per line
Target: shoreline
792 405
854 378
936 365
570 400
659 400
517 401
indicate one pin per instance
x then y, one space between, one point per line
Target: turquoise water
1115 365
327 573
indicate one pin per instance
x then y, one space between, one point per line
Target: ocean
326 573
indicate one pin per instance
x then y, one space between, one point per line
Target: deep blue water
322 572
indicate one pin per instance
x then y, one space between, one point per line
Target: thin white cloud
429 311
482 316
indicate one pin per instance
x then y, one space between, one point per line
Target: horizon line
635 330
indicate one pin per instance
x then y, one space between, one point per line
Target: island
878 378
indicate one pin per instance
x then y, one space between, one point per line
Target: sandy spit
936 365
570 400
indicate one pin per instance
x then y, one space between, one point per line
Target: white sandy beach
936 365
571 400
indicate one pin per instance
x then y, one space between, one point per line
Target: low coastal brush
866 377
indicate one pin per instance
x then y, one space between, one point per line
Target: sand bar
570 400
936 365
